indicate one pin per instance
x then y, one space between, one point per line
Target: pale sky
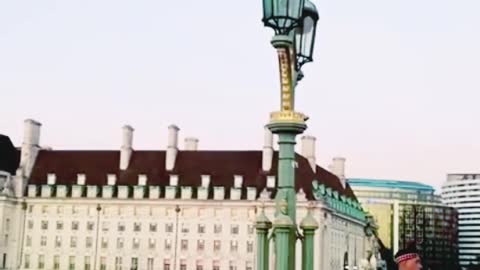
394 87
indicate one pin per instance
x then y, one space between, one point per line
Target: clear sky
394 87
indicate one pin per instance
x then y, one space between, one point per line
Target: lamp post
294 23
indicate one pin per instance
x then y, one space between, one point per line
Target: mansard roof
9 155
221 166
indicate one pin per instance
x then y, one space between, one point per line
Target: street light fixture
282 15
294 23
305 35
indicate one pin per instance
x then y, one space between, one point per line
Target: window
249 246
248 266
56 262
103 263
7 224
183 264
71 263
59 225
184 244
233 246
28 241
90 226
201 228
166 264
44 209
153 227
217 228
44 225
73 242
26 264
74 225
43 240
232 266
119 243
58 241
216 265
87 263
168 244
6 239
200 245
199 265
137 226
41 261
150 264
134 263
216 245
234 229
104 242
118 263
88 242
30 209
105 226
251 229
151 243
169 227
30 224
135 243
121 227
185 228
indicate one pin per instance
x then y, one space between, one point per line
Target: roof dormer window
238 181
81 179
270 181
205 180
173 180
51 179
142 179
111 179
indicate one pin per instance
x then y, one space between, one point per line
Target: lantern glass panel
305 36
282 15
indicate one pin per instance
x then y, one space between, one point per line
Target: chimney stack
30 145
191 144
172 148
338 168
308 151
126 150
267 155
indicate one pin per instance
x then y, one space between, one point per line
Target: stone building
161 209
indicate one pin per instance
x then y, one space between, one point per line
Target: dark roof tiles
222 166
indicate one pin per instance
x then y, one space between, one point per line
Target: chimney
30 145
267 155
172 148
338 168
191 144
126 150
308 151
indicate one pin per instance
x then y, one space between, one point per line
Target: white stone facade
54 233
84 225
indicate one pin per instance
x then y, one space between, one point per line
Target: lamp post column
308 225
263 226
287 124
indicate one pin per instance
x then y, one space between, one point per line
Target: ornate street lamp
294 23
282 15
305 35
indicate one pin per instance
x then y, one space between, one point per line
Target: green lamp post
294 23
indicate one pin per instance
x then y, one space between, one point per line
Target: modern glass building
462 191
410 212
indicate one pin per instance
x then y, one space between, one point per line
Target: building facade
409 212
462 191
172 209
